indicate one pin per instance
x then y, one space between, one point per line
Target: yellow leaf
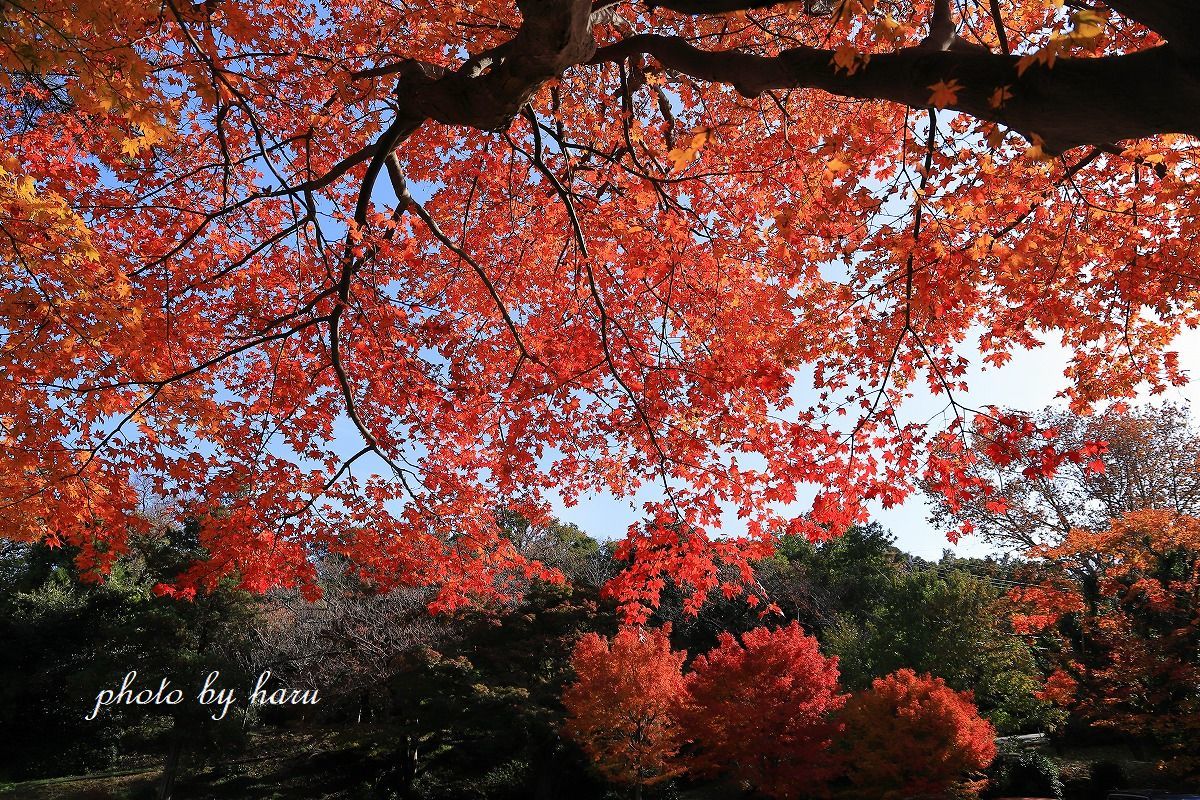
843 11
848 58
1089 25
1046 55
25 189
680 157
1036 152
945 93
887 28
999 97
836 165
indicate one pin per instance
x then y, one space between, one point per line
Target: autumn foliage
348 276
1119 618
763 710
1137 457
758 711
624 704
911 736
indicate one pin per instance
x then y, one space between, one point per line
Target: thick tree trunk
166 785
1077 101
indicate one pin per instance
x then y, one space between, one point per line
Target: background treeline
454 706
1102 620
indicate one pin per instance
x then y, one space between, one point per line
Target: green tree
943 620
66 640
481 715
824 585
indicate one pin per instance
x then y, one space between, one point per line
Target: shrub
623 704
913 736
1019 772
759 712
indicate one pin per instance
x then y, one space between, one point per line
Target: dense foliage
66 640
496 700
911 736
1025 773
624 704
1150 460
342 277
759 709
441 706
1119 618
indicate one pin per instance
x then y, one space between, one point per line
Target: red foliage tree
1150 458
623 704
911 736
759 710
509 249
1119 616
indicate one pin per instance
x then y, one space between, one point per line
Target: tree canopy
912 736
1150 461
1118 621
623 704
568 245
758 709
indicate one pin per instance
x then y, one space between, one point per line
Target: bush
1106 776
1017 772
758 712
911 735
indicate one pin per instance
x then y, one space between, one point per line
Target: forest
552 398
864 658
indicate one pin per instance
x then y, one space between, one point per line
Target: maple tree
624 704
564 246
1122 640
1150 459
910 736
758 710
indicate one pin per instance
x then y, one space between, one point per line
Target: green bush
1023 773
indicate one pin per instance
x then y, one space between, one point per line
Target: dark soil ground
336 766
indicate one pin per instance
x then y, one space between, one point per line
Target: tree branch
816 8
1079 101
1174 20
555 35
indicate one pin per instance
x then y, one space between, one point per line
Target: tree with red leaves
759 711
1150 458
911 736
623 705
1119 619
347 275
